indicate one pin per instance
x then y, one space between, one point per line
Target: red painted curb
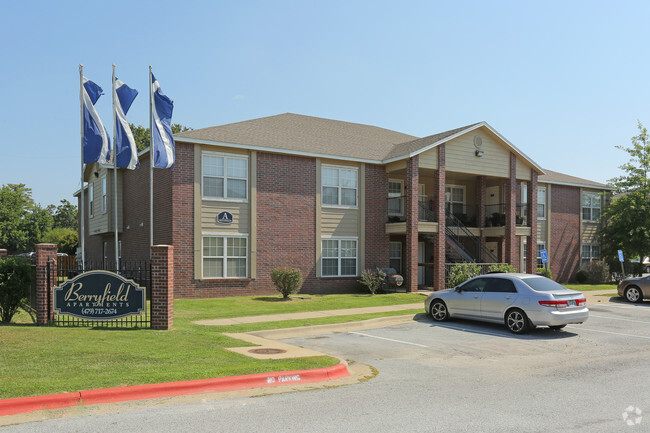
142 392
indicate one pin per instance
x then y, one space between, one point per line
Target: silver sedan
521 301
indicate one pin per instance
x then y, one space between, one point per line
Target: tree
22 222
65 215
142 135
625 223
66 239
15 279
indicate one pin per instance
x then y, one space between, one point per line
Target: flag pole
81 211
114 156
151 157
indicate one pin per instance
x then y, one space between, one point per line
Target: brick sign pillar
162 287
44 253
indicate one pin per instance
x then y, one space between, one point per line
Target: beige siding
588 234
102 222
396 166
523 170
429 159
339 222
460 156
240 216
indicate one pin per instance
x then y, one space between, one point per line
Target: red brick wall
377 241
564 251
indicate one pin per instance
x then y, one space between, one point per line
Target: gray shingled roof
553 177
305 134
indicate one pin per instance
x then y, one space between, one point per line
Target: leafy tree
65 215
625 223
142 135
22 222
15 279
66 239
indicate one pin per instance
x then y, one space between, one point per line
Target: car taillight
557 304
581 302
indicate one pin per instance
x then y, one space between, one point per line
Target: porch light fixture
478 153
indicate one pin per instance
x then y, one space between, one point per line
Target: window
540 246
339 257
590 206
395 256
395 201
103 194
476 285
91 202
590 253
499 285
541 203
524 193
455 199
339 186
225 257
225 177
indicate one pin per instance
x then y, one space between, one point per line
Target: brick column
412 211
511 250
440 241
162 287
44 253
481 195
531 217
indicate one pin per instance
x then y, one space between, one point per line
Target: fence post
162 287
44 253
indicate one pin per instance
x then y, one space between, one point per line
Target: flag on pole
126 152
163 140
96 142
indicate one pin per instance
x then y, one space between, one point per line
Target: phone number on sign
98 311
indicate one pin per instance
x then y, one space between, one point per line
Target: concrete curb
15 406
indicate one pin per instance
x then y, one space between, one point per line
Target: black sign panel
99 295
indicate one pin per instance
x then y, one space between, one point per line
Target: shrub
462 272
502 267
15 280
581 276
545 272
287 280
597 272
372 281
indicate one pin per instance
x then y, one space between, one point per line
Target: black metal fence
138 271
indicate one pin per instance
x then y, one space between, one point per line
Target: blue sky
565 81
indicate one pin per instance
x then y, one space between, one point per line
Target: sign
544 256
224 218
99 295
620 256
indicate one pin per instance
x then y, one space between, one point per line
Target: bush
287 280
502 267
581 276
462 272
15 280
597 272
545 272
372 281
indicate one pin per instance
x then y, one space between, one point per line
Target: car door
465 301
498 295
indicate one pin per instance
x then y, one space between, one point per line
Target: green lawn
590 287
38 360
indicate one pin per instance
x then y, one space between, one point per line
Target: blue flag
96 143
126 152
163 140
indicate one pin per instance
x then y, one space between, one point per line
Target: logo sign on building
224 218
544 256
620 256
99 295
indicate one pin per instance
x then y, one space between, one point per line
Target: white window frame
541 192
225 256
104 192
592 195
339 256
590 257
392 257
449 197
524 193
396 195
226 157
539 254
91 201
339 187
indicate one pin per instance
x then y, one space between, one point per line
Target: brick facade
45 253
511 252
564 251
440 239
377 241
162 287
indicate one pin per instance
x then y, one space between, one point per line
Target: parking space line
617 318
388 339
626 307
473 331
608 332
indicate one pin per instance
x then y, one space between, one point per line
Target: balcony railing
397 207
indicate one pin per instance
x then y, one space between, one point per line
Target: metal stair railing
481 249
452 238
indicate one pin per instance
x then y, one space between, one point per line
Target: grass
590 287
37 360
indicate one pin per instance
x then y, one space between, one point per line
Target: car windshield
543 284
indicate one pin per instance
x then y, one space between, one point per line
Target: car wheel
517 321
438 311
633 294
557 327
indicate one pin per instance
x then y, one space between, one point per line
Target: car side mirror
458 289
